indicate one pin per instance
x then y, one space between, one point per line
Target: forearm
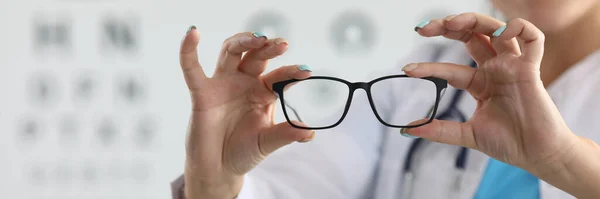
580 173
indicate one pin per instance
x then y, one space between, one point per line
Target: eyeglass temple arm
292 108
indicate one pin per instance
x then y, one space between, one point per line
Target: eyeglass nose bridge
360 85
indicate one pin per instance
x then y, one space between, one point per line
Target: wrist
199 190
223 192
198 186
578 171
583 155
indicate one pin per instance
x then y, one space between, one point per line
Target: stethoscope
451 113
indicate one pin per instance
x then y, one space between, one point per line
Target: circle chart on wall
353 32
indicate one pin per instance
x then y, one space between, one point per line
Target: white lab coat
353 160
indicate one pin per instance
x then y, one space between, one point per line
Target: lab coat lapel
579 107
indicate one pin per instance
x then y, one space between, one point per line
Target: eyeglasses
322 102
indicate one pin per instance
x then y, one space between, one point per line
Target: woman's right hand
231 127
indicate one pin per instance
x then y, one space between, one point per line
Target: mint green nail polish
499 31
304 68
191 28
259 34
421 25
403 133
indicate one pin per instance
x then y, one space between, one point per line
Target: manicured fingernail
499 31
405 134
190 29
409 67
308 139
421 25
280 41
259 34
304 68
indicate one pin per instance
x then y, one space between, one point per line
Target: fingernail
280 41
308 139
499 31
190 29
405 134
409 67
259 34
421 25
450 17
304 67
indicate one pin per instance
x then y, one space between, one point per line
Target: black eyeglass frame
278 88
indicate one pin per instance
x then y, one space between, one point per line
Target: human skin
232 129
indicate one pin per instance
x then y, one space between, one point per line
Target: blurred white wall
93 103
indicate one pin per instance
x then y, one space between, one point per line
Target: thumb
442 131
188 59
283 134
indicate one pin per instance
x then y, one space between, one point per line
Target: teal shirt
504 181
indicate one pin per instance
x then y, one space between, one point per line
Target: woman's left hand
515 121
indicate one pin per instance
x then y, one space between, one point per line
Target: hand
231 126
515 121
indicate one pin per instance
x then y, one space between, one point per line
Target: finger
477 44
459 76
447 132
255 61
233 48
485 25
431 28
188 59
285 73
480 49
437 27
283 134
530 37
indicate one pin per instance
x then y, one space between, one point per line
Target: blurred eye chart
92 99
